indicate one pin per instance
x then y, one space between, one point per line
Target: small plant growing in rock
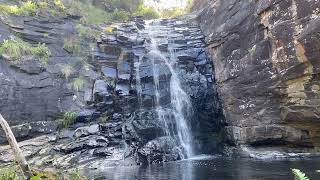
69 118
66 70
78 83
72 45
103 119
86 32
42 51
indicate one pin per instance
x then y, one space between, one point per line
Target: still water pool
215 169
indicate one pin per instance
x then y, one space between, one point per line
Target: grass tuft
103 119
78 83
69 118
72 45
67 70
16 49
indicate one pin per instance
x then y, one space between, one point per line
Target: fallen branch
16 150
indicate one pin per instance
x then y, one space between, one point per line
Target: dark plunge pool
215 168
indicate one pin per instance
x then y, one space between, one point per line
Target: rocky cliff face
125 110
266 57
32 95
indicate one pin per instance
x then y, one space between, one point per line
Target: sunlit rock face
266 59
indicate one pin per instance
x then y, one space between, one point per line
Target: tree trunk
16 150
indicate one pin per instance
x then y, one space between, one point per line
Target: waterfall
180 109
138 79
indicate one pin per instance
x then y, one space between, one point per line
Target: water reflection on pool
215 168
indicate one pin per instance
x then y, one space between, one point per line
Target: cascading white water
138 79
181 106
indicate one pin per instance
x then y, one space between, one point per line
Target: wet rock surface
266 59
117 121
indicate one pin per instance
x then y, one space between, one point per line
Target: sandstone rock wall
266 55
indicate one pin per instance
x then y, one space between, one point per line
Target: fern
299 175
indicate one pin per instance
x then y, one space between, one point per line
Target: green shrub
120 15
72 45
27 8
9 174
69 118
78 83
299 175
87 32
146 12
14 173
42 51
89 14
16 49
59 4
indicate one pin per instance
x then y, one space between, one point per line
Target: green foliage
86 32
78 83
120 15
69 118
59 4
16 49
27 8
42 51
72 45
103 118
9 174
38 176
146 12
13 173
89 13
299 175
